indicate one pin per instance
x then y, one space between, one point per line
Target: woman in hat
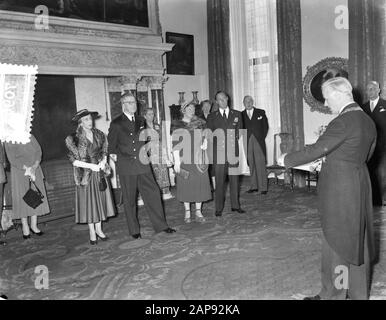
88 153
192 173
25 166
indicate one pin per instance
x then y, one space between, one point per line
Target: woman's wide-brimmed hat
84 112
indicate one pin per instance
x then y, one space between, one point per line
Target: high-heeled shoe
25 237
187 218
105 238
40 233
199 216
93 242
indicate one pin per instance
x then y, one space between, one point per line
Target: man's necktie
250 114
372 106
224 115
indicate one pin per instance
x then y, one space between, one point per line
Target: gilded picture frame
315 76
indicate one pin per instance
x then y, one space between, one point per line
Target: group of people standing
352 143
142 172
220 132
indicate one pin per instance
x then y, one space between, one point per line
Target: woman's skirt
91 204
19 187
194 189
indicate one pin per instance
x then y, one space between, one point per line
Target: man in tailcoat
127 149
344 194
376 109
256 123
225 122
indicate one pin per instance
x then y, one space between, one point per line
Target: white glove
280 160
204 145
113 157
177 167
95 167
29 172
102 165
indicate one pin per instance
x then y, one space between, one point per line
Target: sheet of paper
17 89
311 166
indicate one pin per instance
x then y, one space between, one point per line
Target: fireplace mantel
83 48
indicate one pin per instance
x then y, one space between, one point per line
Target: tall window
260 17
262 48
254 60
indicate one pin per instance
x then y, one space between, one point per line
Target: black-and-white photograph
203 152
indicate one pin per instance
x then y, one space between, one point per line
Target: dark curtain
290 76
367 37
220 70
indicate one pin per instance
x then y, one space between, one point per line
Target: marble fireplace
114 57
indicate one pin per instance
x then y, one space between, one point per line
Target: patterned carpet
271 252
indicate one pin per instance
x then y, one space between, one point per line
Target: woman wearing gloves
88 153
25 166
192 172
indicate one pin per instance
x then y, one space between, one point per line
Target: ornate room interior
274 50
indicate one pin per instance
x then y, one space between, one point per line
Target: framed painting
126 12
181 59
317 74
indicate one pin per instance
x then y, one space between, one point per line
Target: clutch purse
102 181
33 198
183 173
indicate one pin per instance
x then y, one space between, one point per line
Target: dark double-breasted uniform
257 129
344 199
225 154
377 163
135 172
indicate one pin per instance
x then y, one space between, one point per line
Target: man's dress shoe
252 190
239 210
136 236
169 230
218 213
263 192
317 297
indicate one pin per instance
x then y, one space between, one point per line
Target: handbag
102 181
33 198
183 173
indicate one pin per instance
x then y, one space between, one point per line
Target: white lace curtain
247 38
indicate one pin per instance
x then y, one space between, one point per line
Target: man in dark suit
256 123
225 124
127 149
344 194
376 109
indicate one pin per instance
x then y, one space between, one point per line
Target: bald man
376 109
256 123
